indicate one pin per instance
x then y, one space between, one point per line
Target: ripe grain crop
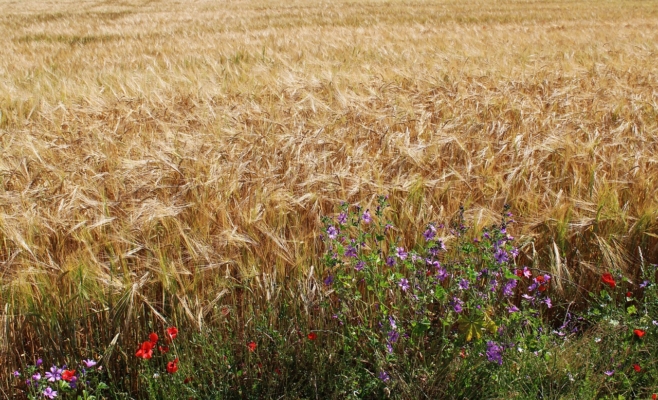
158 155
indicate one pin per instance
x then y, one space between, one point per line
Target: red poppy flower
145 350
153 337
654 396
68 375
637 368
518 273
312 336
172 366
252 346
163 349
609 280
172 332
639 332
539 279
629 294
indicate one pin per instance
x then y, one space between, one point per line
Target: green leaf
631 310
420 327
440 293
510 275
472 274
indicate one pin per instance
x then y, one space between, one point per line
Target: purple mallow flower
501 256
391 321
508 289
404 284
494 352
402 255
457 305
383 376
359 265
332 232
393 336
610 373
429 233
342 218
55 374
351 251
463 284
366 217
36 376
39 362
89 363
329 280
644 284
50 393
17 374
547 301
494 285
441 274
390 261
513 309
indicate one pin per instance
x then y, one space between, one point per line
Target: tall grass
161 161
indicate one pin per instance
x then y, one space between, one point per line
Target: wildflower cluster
81 382
145 349
469 296
630 307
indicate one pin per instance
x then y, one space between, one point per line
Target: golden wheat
162 149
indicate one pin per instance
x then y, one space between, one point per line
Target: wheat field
171 149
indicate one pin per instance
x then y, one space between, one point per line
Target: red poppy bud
163 349
637 368
252 346
312 336
68 375
629 294
639 332
172 332
145 350
153 337
609 280
172 366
